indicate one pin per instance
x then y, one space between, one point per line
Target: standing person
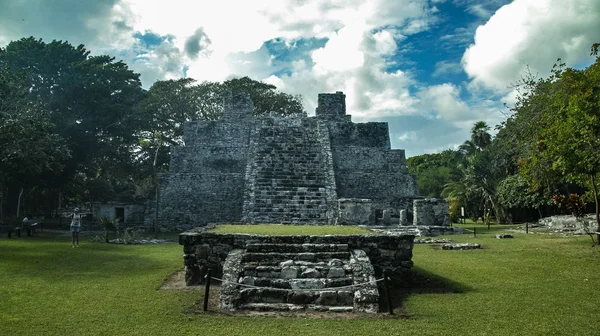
75 226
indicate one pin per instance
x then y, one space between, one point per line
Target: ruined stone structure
301 170
323 273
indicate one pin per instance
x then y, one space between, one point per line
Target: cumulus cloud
531 33
303 47
197 44
101 25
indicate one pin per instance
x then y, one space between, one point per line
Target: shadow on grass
418 281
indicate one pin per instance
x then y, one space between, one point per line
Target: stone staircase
289 178
299 277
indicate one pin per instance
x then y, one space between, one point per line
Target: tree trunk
155 171
19 203
593 180
497 210
1 201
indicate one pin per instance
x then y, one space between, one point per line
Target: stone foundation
203 250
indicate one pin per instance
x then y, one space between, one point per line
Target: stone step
296 248
304 256
295 283
302 297
283 307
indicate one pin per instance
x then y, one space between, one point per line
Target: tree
266 98
433 171
30 148
90 99
567 131
480 136
516 192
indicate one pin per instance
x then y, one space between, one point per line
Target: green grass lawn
529 285
290 230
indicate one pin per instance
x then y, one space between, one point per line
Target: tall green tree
90 100
567 131
434 171
266 98
30 150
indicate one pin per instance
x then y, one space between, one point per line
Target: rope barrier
306 290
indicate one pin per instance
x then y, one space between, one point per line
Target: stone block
336 272
386 217
352 211
289 272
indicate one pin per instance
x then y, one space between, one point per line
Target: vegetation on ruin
529 285
291 230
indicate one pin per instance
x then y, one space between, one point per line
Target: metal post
386 284
207 289
526 227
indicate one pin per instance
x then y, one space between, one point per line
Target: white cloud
216 40
446 68
533 33
408 136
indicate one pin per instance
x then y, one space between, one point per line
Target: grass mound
290 230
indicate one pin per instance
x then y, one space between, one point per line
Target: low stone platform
334 273
204 250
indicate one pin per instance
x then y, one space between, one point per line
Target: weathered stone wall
570 224
289 178
355 211
205 182
203 250
365 165
431 212
331 105
281 170
134 213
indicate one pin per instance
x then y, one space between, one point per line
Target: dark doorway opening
120 214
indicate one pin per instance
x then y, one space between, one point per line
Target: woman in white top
76 226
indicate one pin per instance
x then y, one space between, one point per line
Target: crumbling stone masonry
431 212
291 273
271 169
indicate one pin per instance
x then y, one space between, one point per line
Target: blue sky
430 68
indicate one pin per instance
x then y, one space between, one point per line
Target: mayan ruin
324 169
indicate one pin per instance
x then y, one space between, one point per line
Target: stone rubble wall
290 177
241 168
134 213
205 182
355 211
295 277
203 250
431 212
570 224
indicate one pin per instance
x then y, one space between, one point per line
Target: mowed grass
529 285
291 230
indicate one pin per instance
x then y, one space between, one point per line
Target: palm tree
480 137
